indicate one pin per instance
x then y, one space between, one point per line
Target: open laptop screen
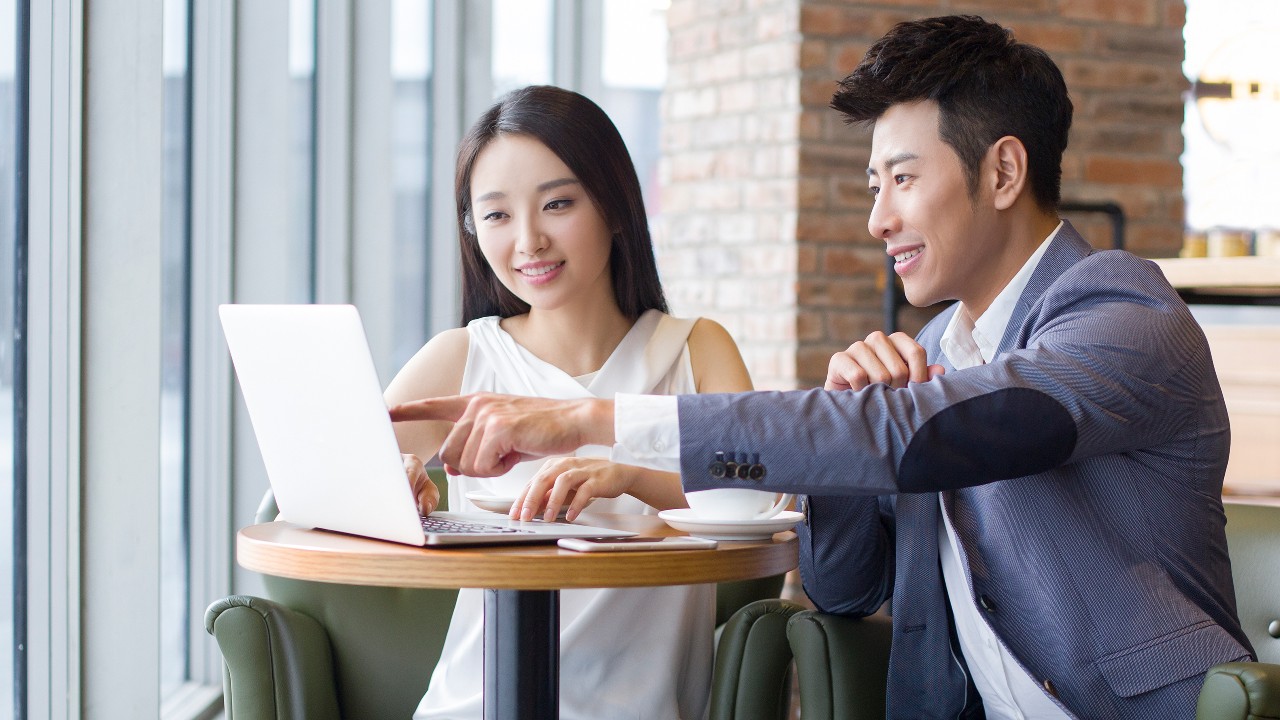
317 410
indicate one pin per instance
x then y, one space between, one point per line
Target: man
1034 485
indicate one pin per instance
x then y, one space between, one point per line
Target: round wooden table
522 586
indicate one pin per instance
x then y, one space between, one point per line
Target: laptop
317 411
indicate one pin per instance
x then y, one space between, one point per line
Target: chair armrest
1240 691
277 661
734 595
752 676
841 664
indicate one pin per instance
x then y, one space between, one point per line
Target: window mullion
209 449
53 359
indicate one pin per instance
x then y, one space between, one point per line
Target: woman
561 299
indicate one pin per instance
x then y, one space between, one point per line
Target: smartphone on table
623 544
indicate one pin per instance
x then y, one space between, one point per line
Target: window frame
93 192
53 451
209 488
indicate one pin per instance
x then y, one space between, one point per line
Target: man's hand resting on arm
893 360
491 433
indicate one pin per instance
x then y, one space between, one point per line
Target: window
13 273
522 42
411 112
1232 154
633 71
302 139
12 366
175 361
263 117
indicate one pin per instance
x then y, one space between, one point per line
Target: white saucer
684 519
499 504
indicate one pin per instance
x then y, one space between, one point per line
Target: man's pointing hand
491 433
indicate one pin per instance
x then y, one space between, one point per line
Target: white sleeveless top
642 653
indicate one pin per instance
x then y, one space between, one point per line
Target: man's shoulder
1114 272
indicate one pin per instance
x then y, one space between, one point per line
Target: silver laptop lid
316 407
317 410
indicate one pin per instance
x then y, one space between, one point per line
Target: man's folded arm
846 553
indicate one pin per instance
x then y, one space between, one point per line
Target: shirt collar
967 343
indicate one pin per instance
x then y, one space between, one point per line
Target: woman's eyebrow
553 184
548 185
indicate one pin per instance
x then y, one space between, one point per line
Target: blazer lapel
1066 249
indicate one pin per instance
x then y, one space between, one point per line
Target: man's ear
1008 158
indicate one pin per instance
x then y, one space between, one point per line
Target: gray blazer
1081 468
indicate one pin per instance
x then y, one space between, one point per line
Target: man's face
942 239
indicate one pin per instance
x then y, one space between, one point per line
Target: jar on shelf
1267 243
1195 244
1225 242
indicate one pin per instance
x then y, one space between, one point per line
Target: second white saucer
499 504
492 503
684 519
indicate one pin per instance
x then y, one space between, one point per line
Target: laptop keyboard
441 525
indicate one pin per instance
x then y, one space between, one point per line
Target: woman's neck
576 340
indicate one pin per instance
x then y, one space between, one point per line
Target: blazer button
757 470
744 471
731 469
717 468
1049 688
986 603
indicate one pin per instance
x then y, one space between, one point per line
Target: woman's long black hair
585 139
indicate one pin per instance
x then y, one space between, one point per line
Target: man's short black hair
987 85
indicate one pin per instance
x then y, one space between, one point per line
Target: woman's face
538 229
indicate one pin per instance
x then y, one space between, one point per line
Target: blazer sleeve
1110 360
847 552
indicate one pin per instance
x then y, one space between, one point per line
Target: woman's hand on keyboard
574 481
425 491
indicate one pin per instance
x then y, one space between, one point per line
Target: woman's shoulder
717 363
453 341
706 330
710 337
481 324
435 370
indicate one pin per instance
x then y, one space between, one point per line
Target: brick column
727 235
764 187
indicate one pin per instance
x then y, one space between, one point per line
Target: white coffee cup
736 504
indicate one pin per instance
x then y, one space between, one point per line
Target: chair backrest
386 641
1253 540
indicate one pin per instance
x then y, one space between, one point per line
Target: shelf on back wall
1242 280
1251 388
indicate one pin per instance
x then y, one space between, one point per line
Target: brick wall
764 190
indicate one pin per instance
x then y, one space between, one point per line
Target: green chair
323 651
1250 691
841 663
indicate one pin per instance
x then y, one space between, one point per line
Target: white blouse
624 653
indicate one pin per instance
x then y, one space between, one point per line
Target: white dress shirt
647 433
1008 691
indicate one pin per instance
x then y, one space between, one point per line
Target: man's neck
1025 235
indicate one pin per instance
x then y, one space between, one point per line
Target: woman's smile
540 273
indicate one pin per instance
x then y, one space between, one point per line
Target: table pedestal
521 654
